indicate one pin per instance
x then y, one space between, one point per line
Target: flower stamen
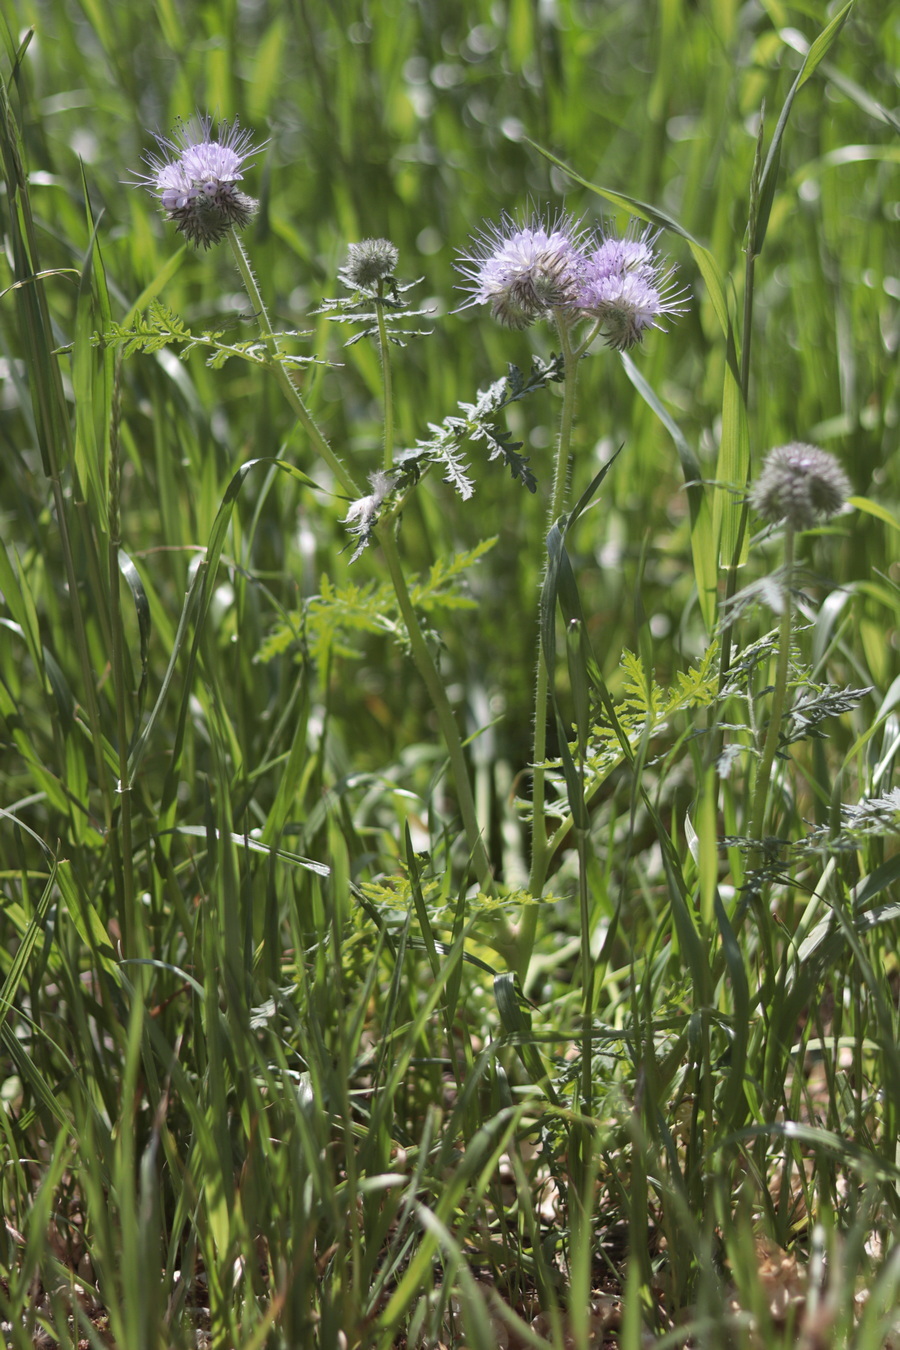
195 178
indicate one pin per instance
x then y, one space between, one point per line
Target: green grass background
287 1126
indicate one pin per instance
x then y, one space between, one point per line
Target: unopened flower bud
800 484
369 262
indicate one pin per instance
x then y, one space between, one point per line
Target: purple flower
195 179
625 285
524 271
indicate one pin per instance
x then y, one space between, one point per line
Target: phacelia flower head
625 285
524 271
800 484
369 262
196 177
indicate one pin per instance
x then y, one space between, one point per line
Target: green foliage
352 310
814 706
266 1075
479 426
645 710
160 327
322 628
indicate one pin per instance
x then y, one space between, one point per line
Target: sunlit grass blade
92 379
816 53
703 539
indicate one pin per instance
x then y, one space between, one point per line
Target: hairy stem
540 855
421 654
776 712
385 353
587 969
288 388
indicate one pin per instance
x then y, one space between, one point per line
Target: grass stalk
89 690
734 567
441 704
731 576
540 855
776 711
131 927
49 407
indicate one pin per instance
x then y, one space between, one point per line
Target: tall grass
321 1023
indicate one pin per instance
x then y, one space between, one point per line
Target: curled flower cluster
369 262
800 484
626 286
527 272
196 177
524 272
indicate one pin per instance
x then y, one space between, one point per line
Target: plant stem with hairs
799 485
288 388
418 644
420 650
540 855
776 711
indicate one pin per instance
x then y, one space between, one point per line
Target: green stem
587 967
132 943
438 694
764 773
731 576
288 388
540 855
421 654
384 350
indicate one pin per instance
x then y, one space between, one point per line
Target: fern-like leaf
646 708
476 423
160 327
330 621
358 310
813 706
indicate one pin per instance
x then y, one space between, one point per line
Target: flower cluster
524 272
196 177
800 484
368 263
529 272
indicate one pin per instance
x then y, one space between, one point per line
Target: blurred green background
409 120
